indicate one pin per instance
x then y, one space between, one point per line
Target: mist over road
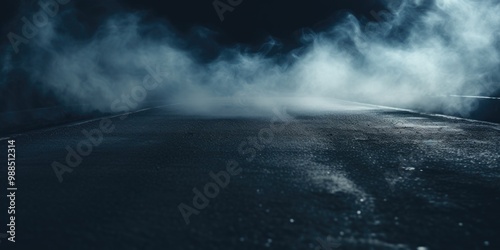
353 176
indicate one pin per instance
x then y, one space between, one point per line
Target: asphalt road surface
351 177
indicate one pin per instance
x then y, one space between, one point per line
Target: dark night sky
251 23
253 20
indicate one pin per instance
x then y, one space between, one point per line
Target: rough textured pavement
355 177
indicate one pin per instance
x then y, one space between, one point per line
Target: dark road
351 177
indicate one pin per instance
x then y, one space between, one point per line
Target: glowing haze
422 49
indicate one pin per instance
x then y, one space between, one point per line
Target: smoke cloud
417 50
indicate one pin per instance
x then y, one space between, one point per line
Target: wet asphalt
353 177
